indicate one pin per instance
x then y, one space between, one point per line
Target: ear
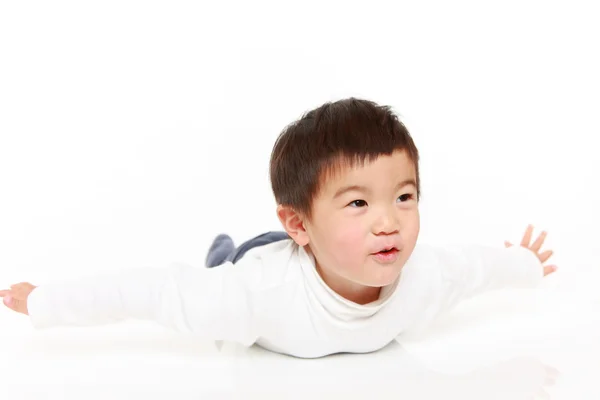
293 223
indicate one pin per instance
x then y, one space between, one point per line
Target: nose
387 222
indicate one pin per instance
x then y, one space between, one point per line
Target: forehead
385 170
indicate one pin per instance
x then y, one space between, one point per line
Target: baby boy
347 274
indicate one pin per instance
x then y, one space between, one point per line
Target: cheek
349 237
411 230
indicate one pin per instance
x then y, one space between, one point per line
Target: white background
132 133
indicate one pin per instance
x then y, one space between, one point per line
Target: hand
535 247
16 297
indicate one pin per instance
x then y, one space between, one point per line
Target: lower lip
388 257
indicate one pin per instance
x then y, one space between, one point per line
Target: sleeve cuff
37 310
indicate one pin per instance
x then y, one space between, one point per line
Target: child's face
350 227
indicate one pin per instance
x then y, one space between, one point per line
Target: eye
406 197
358 203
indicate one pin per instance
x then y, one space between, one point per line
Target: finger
527 236
507 243
549 269
537 245
19 291
16 305
17 284
23 287
8 301
21 306
4 292
545 256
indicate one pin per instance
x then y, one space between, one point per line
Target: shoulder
269 265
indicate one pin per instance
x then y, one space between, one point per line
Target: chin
384 279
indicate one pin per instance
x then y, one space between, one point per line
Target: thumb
10 302
507 243
7 300
14 304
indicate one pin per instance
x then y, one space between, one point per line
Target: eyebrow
357 188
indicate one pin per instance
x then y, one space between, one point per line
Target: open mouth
387 251
387 256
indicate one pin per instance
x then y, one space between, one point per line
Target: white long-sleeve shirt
274 297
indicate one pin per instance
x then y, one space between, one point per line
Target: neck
351 291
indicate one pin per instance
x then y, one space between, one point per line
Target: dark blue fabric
223 249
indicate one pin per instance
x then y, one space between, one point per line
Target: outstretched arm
462 272
209 302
